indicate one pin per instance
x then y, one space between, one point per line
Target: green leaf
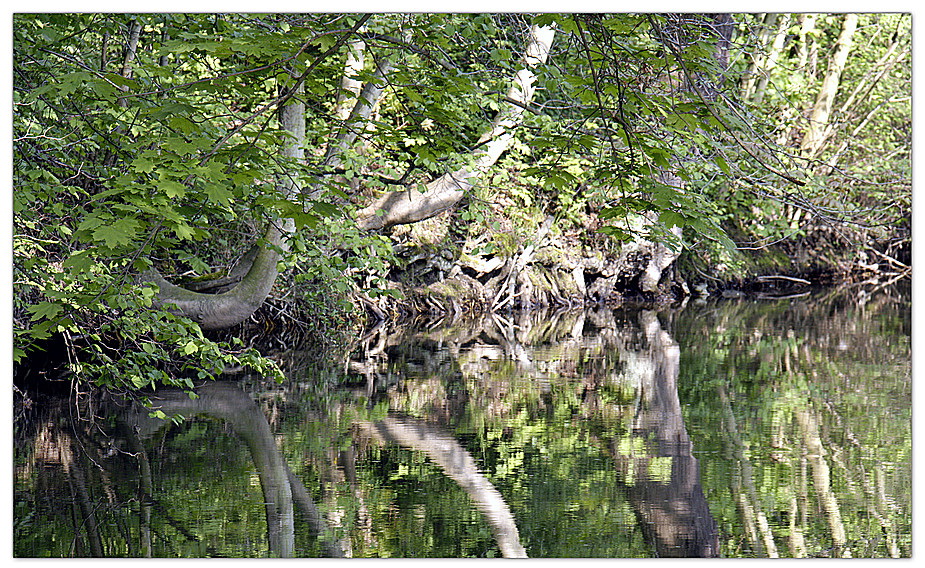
119 233
500 55
183 231
672 219
138 381
45 310
170 109
183 124
79 262
325 209
659 156
178 145
218 193
93 220
616 233
69 83
104 89
199 265
121 81
143 164
213 171
172 189
568 24
303 220
324 42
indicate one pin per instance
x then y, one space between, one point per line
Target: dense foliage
151 141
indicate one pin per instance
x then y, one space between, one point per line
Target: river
737 428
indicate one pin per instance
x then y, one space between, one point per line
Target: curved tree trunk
411 205
218 311
283 490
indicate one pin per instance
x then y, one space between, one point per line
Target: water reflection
673 511
723 429
281 489
446 452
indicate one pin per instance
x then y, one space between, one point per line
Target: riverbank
439 270
443 269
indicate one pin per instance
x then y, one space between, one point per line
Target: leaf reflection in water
603 433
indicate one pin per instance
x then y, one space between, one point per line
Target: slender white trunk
770 61
807 44
814 137
754 68
349 84
498 137
358 118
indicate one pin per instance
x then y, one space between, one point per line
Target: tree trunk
754 69
218 311
822 481
358 118
130 50
349 85
411 205
814 137
808 48
770 61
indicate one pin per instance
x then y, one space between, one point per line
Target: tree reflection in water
458 464
673 512
563 435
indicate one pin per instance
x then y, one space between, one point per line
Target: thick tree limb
402 207
232 405
235 275
410 206
218 311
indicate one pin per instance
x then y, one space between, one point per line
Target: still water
742 428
